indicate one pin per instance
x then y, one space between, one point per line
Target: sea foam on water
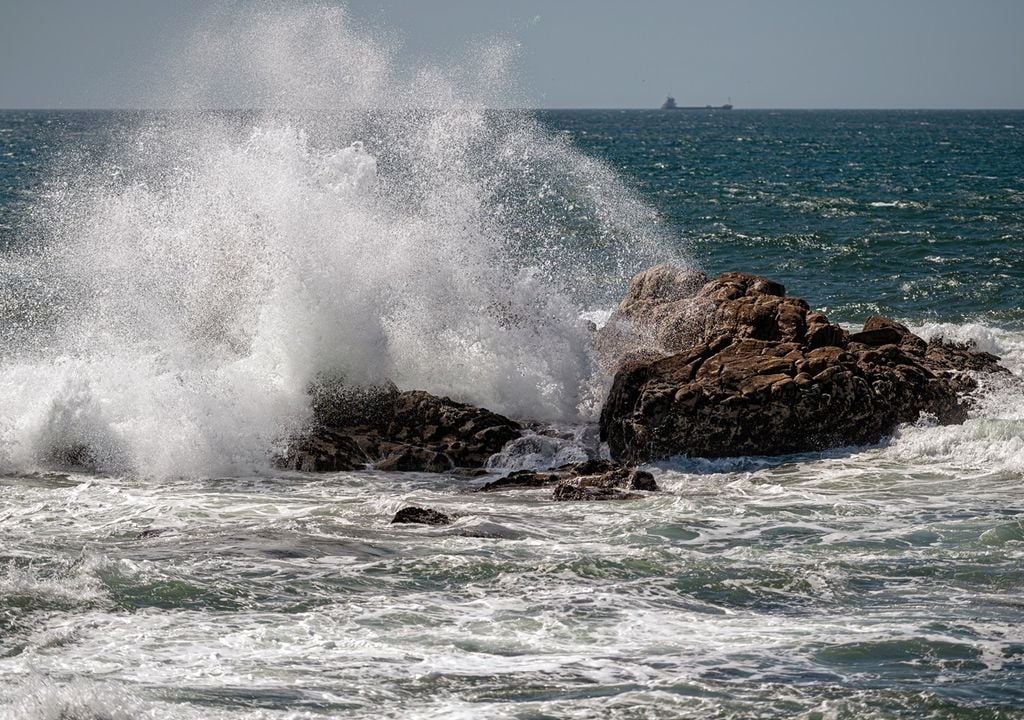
360 223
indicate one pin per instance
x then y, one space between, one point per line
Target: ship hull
699 107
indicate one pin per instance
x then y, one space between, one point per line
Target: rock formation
590 480
712 368
737 368
414 515
395 431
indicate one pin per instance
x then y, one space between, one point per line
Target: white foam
900 204
77 584
543 452
599 317
40 699
992 439
980 445
1007 344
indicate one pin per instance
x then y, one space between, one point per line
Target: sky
572 53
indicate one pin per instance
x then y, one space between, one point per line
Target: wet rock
762 374
938 355
668 310
408 458
877 337
590 480
657 313
489 531
468 472
612 485
336 403
396 431
325 450
962 356
575 492
640 480
420 516
522 480
465 433
77 455
598 466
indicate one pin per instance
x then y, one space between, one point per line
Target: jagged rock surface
395 431
590 480
738 368
414 515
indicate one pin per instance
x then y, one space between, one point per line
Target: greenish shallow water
845 586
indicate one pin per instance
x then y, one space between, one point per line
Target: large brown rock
658 313
738 368
395 431
668 310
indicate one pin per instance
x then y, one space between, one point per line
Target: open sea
171 282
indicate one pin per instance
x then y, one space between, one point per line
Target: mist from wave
177 298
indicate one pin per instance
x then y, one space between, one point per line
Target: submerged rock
395 431
522 480
590 480
615 484
738 368
414 515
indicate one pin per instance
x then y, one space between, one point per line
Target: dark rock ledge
395 431
418 432
590 480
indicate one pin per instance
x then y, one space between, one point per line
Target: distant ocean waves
912 215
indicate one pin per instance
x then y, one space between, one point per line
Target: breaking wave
173 302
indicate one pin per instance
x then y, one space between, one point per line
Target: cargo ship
670 104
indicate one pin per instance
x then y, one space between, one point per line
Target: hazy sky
576 53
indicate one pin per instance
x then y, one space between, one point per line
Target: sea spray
991 441
187 289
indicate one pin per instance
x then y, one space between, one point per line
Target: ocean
171 282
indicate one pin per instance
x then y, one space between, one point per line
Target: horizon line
521 109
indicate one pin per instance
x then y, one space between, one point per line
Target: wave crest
189 288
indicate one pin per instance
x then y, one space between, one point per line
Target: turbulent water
171 282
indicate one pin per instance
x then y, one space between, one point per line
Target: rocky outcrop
395 431
617 484
413 515
590 480
739 368
324 449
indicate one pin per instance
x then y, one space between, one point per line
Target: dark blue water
913 214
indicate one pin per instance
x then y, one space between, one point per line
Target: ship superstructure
670 104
